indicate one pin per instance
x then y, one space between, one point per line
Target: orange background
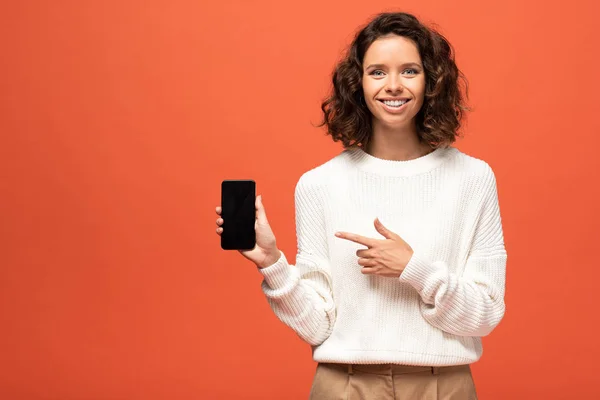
120 119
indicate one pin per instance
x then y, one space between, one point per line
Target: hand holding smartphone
243 223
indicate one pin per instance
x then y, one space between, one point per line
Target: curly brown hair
438 121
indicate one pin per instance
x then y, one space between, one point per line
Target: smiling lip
394 110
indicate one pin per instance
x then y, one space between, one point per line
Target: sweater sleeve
471 304
300 295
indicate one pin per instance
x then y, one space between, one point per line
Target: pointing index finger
353 237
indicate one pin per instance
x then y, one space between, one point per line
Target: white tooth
395 103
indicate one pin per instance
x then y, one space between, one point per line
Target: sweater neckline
369 163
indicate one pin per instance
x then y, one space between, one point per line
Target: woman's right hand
265 253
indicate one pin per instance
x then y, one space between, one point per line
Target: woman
401 260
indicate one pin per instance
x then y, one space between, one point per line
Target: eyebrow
410 64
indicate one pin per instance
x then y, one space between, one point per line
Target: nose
394 84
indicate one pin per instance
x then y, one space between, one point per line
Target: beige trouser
393 382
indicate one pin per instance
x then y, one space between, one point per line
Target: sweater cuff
278 275
419 271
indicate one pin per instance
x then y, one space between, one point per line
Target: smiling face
393 81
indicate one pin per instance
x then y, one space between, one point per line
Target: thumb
261 215
383 230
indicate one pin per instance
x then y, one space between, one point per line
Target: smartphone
238 210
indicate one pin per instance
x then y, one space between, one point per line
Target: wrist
270 259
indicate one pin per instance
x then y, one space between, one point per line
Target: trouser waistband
395 369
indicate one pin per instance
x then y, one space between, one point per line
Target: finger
383 230
219 231
366 253
367 262
219 221
261 214
353 237
368 271
218 209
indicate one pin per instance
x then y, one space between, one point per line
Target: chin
393 122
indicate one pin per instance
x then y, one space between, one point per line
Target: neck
396 145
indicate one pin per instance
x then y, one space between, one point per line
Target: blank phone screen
238 199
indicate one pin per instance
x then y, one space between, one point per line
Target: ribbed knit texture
451 293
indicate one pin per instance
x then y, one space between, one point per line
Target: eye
379 72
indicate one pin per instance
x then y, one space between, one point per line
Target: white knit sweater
451 293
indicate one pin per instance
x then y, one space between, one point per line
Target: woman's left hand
386 257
